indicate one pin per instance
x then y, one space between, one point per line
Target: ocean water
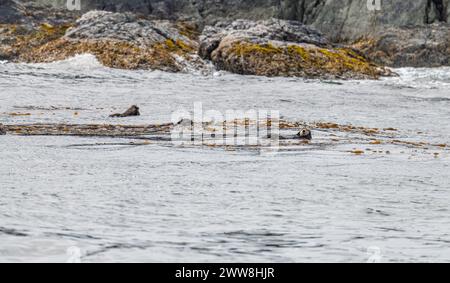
106 200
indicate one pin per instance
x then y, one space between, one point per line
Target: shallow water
165 203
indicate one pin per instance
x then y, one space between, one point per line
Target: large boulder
123 40
350 20
409 46
281 48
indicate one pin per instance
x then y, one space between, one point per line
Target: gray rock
281 48
276 31
338 19
342 19
32 14
10 12
410 46
101 25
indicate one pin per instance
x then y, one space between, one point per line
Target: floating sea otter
303 134
132 111
2 130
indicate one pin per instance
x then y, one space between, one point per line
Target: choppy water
163 203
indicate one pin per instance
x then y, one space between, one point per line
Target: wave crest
78 62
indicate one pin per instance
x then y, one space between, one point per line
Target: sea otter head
305 134
2 130
133 111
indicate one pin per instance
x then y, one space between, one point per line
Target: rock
335 18
409 46
26 26
132 111
132 42
19 41
98 25
281 48
33 13
10 12
123 40
260 32
2 130
351 20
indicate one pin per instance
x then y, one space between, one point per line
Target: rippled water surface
165 203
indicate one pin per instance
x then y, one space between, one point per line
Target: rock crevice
436 10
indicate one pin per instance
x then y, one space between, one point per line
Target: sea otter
132 111
303 134
2 130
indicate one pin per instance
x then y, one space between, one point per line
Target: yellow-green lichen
115 54
180 47
188 30
295 49
249 48
295 60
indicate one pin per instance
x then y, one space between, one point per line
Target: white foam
422 77
78 62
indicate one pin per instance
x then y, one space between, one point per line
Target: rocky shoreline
282 48
34 33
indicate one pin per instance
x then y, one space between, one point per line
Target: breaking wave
78 62
422 77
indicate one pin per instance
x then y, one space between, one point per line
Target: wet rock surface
281 48
409 46
163 35
122 40
100 25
